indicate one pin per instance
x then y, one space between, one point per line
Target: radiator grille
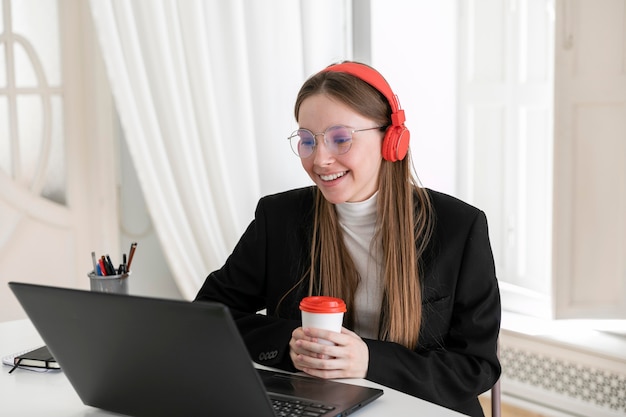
595 386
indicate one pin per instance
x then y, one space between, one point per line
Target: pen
93 260
133 246
102 267
106 264
109 264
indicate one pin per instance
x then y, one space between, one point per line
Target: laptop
153 357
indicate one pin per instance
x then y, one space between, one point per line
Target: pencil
133 246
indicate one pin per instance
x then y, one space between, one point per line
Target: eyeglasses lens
339 139
306 144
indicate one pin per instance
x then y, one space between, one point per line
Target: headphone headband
396 142
370 76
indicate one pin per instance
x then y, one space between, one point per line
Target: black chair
496 406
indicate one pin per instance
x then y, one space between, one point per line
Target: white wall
414 47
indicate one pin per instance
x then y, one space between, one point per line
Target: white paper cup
321 312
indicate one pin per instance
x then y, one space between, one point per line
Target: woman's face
353 176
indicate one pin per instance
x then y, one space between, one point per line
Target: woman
414 266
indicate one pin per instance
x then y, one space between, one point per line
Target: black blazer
456 358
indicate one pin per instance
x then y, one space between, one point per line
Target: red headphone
396 141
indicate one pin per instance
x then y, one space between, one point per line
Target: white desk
28 393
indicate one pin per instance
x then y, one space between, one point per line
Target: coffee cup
321 312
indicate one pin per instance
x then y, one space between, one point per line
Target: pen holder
117 284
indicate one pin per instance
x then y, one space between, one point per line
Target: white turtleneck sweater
358 222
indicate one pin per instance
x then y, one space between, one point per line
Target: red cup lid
322 304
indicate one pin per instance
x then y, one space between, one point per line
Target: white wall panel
599 209
486 130
590 160
486 48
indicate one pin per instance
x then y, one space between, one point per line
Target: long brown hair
403 227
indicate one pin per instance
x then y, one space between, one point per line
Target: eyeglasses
338 140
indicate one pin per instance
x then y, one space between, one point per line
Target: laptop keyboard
298 408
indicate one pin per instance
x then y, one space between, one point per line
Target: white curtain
205 91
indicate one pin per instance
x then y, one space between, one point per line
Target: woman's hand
347 358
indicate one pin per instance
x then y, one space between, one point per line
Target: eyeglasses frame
315 135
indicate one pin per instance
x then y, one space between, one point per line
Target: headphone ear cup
396 143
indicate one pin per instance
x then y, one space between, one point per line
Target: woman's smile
332 177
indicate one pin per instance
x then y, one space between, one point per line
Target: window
505 139
522 115
31 104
